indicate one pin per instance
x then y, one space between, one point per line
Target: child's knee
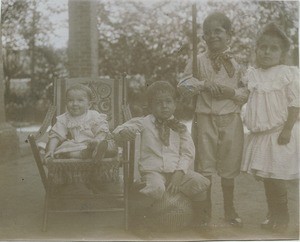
196 188
201 183
154 190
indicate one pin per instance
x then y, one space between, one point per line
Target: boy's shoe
236 222
267 224
233 219
99 151
273 226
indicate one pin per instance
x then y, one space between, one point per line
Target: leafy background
149 40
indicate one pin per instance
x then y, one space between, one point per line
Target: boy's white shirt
154 156
189 86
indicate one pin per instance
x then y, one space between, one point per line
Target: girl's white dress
76 132
272 91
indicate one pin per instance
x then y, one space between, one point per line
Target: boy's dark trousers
276 196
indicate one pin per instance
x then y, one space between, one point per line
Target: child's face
163 105
268 51
215 36
77 102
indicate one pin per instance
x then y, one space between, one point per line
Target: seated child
167 149
80 132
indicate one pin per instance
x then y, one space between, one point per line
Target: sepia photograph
149 120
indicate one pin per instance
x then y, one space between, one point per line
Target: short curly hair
219 17
83 88
160 87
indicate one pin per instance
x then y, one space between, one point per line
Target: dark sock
100 150
270 198
228 194
281 202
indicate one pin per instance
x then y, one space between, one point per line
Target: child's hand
213 88
49 155
226 92
127 134
175 182
284 137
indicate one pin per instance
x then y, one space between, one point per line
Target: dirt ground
22 197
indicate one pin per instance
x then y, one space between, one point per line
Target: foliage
149 40
29 54
154 39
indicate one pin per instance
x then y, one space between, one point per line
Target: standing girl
272 149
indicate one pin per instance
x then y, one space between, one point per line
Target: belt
221 120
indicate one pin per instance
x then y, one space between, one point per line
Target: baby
80 132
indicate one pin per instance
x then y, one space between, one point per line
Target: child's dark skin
162 107
269 53
217 38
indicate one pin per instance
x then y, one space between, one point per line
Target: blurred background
149 40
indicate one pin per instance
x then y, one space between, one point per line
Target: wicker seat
172 213
60 172
69 171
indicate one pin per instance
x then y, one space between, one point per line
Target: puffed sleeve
99 122
59 129
293 87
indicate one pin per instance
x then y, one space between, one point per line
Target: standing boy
217 126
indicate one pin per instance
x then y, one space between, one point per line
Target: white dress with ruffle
272 91
75 132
